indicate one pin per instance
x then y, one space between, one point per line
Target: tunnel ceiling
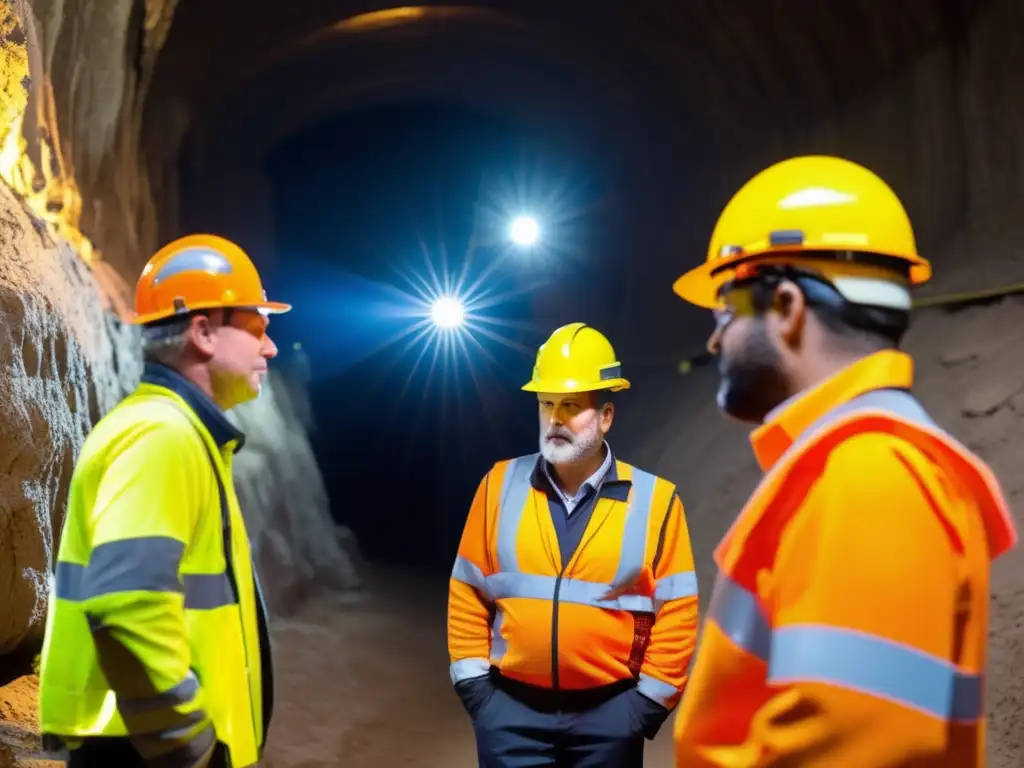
698 76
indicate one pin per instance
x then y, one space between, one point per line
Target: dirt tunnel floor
362 682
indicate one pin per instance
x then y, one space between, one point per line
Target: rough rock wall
90 63
946 131
64 361
282 491
55 305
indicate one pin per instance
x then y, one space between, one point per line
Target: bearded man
849 621
572 610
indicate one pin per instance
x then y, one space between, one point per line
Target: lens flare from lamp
524 231
447 313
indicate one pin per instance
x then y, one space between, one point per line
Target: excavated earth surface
362 682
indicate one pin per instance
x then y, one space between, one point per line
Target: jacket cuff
468 669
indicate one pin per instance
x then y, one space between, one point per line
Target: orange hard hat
199 272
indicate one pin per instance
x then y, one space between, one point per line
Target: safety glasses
753 292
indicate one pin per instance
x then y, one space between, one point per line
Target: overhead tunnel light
524 231
447 313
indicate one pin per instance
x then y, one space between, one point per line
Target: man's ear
200 333
790 313
607 416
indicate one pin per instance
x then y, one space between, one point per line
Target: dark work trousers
515 728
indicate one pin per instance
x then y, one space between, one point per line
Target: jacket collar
888 369
216 422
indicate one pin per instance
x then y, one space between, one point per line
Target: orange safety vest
749 656
587 624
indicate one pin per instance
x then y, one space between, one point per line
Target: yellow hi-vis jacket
156 625
623 606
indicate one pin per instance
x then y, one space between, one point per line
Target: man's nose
714 343
269 350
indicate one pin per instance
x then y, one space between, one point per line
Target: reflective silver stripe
737 612
532 586
508 582
895 401
467 669
145 564
468 573
657 690
179 695
199 259
675 587
186 755
825 654
515 490
206 591
499 646
634 537
875 666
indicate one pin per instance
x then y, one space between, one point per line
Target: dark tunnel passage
372 158
432 188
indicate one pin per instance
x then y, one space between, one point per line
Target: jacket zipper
554 632
229 559
233 578
558 585
227 532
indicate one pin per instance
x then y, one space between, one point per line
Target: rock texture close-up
64 361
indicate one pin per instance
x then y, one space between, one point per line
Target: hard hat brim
264 307
568 387
700 287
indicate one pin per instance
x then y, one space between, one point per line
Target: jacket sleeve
674 633
469 608
864 627
146 506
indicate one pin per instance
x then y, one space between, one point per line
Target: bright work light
524 231
447 312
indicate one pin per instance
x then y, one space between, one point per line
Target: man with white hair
572 608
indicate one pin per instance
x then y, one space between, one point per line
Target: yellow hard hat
811 206
576 358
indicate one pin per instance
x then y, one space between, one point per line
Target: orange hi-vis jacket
624 606
848 626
